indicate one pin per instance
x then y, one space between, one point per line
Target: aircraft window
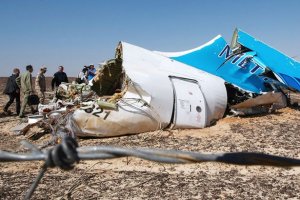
198 108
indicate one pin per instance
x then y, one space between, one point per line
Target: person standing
13 91
91 72
40 84
59 77
25 83
82 76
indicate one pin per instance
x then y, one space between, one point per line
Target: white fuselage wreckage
155 92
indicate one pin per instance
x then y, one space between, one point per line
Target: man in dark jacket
59 77
13 91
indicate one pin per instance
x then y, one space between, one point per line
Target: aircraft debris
142 90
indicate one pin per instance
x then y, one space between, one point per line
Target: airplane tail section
216 57
286 69
247 63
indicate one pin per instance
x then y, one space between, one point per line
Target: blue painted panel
205 58
298 80
240 70
290 81
244 74
274 59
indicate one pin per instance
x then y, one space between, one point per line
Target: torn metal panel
265 103
241 102
269 98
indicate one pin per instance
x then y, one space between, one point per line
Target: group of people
86 74
17 83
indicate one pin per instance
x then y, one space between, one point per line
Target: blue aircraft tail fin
286 68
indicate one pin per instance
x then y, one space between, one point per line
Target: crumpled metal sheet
261 104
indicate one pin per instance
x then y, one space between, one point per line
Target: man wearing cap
40 84
59 77
91 72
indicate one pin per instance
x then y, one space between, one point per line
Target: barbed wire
66 154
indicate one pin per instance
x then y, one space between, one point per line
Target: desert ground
133 178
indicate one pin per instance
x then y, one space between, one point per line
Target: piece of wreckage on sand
142 90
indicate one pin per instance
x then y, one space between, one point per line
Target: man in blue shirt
91 72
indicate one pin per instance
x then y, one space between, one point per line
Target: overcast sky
74 33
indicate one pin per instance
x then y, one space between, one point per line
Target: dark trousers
12 97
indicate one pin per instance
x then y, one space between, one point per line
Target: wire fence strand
165 156
66 154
